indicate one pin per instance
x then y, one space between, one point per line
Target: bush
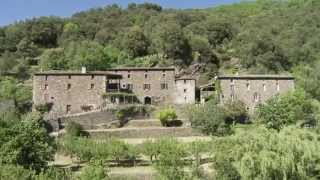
87 149
94 171
288 109
236 112
44 108
124 114
265 154
166 116
74 129
171 156
211 119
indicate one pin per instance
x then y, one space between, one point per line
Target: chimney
83 70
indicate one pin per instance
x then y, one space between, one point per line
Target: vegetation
288 109
263 36
166 116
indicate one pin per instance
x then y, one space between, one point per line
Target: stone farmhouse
78 92
85 91
253 89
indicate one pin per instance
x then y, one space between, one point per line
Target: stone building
77 92
253 89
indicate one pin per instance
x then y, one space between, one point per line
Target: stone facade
253 89
185 91
78 92
150 85
70 92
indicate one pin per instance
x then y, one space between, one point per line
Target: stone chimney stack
83 70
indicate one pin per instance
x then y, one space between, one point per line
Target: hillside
253 37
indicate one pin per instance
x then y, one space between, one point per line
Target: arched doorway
147 100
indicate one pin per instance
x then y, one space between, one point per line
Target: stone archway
147 100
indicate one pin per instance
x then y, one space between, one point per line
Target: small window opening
185 90
69 86
164 86
46 87
146 87
68 109
69 77
92 86
92 76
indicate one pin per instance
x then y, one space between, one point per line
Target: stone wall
83 90
185 91
153 76
253 91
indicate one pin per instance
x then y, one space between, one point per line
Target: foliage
126 113
87 149
166 116
171 159
211 119
266 154
236 111
25 142
94 171
74 129
44 108
288 109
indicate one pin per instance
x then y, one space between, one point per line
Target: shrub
44 108
74 129
211 119
87 149
171 156
265 154
124 114
166 116
94 171
288 109
235 112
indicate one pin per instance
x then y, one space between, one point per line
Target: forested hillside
266 36
281 140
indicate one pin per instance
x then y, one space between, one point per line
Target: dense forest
264 36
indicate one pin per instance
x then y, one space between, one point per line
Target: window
145 75
46 87
130 86
256 97
69 77
232 88
68 109
129 76
278 85
164 86
185 90
232 97
248 86
146 87
69 86
264 86
46 77
92 76
163 75
185 81
92 86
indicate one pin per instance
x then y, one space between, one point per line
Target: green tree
136 42
211 119
171 41
53 59
286 109
26 142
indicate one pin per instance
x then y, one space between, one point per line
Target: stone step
146 132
